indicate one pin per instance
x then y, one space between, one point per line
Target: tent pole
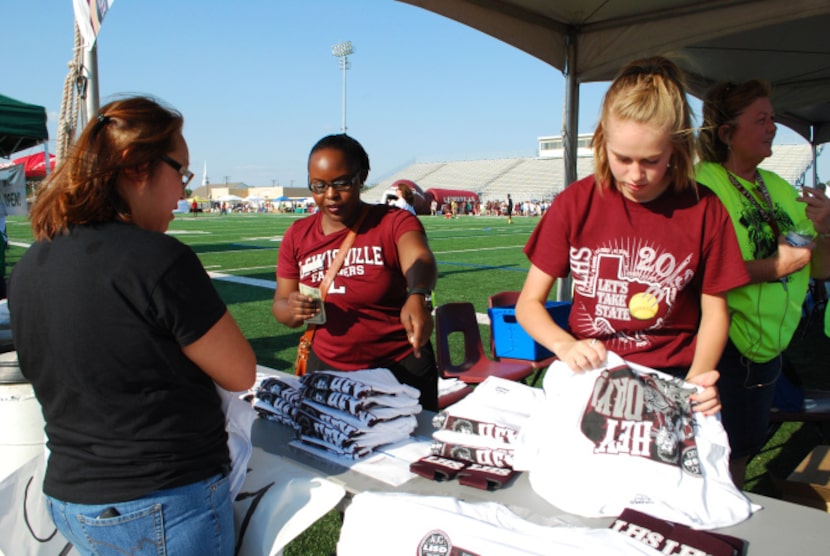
815 164
815 154
91 65
570 126
570 121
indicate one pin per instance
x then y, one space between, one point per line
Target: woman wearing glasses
122 335
378 308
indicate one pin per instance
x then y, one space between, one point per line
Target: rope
68 120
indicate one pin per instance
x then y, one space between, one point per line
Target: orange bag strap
348 241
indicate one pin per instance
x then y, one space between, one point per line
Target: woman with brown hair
123 337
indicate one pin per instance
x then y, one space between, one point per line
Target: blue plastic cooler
510 339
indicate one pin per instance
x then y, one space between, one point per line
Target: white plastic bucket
21 420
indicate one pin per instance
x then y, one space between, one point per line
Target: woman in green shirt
737 134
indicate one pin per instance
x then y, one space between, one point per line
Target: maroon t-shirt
363 306
639 269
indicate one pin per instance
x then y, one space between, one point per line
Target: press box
510 339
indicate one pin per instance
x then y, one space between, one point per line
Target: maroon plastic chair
506 299
476 367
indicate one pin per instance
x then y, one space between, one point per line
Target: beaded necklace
767 214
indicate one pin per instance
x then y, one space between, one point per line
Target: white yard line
266 238
482 318
270 284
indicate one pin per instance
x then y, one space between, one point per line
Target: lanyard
767 214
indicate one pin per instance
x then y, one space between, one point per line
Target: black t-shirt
99 317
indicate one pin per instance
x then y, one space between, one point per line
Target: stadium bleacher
541 179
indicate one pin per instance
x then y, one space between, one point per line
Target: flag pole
91 67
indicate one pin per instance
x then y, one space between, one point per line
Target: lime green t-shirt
763 316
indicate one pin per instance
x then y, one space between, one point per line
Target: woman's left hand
707 400
417 321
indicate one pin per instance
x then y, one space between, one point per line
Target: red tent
33 165
446 196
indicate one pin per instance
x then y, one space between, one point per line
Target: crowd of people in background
520 208
228 207
404 198
454 209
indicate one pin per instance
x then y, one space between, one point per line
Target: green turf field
477 256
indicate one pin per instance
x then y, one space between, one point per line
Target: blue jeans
191 520
746 392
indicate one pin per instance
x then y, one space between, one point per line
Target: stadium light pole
342 50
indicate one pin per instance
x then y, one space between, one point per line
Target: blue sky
258 85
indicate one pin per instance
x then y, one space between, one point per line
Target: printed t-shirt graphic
631 284
641 415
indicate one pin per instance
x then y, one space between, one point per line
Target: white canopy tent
782 41
229 198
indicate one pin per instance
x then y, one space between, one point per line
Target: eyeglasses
343 184
187 175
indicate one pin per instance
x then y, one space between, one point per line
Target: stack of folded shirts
277 398
347 413
474 437
352 413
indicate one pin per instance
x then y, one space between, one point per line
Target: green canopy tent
22 126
